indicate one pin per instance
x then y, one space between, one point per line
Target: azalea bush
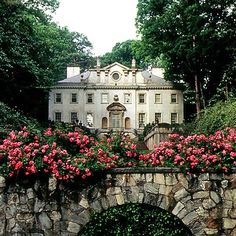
196 153
67 155
63 155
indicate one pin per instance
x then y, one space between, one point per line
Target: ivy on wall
135 219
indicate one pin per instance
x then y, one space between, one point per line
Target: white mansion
115 97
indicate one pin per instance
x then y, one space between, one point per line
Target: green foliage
11 119
217 117
124 52
195 38
135 219
34 53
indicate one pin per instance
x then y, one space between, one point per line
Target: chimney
72 71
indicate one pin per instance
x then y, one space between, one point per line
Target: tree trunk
197 95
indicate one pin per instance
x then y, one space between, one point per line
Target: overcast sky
104 22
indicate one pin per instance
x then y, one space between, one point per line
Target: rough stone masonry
206 203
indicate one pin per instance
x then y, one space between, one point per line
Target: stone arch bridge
205 203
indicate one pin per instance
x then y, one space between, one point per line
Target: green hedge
136 220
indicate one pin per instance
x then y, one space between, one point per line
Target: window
141 98
104 98
90 98
141 120
173 98
115 76
127 98
73 117
116 121
157 98
57 116
58 98
73 98
157 117
174 118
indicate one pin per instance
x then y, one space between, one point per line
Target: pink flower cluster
63 155
70 155
196 153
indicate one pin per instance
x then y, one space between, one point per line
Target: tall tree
123 53
34 53
197 39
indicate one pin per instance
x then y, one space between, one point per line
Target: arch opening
135 219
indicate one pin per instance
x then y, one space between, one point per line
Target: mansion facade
115 97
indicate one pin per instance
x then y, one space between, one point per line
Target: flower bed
70 155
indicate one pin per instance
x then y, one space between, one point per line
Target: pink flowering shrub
64 155
70 155
196 153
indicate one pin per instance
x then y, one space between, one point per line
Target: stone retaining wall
205 203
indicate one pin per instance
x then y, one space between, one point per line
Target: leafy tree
197 40
123 53
34 53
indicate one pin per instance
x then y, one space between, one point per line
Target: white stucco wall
101 82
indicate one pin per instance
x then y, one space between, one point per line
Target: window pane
141 119
58 98
173 118
173 98
157 98
141 98
73 97
57 116
116 121
90 98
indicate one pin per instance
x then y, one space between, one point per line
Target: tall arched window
104 123
116 115
127 123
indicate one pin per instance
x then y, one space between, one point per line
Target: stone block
84 217
45 221
120 199
140 197
215 197
149 178
190 217
133 194
210 231
151 188
84 203
96 206
165 190
178 207
208 204
113 191
229 223
170 179
2 182
159 178
182 193
73 227
112 200
201 195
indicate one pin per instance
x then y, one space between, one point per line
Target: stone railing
156 135
205 203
